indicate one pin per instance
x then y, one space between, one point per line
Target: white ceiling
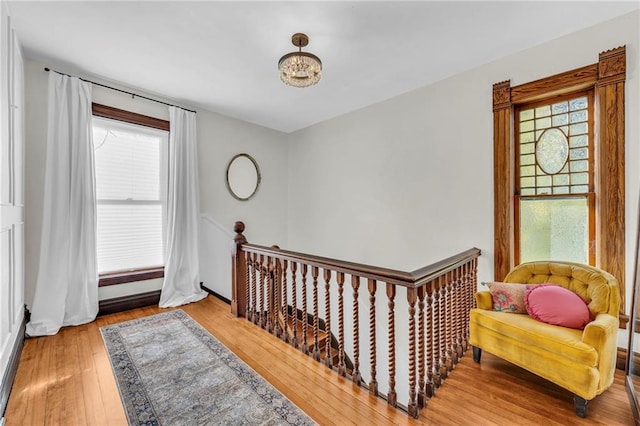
222 56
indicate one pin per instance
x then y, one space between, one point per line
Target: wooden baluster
444 324
355 376
342 370
392 398
270 295
468 294
277 302
294 309
305 315
471 287
454 317
462 303
373 384
453 310
464 309
474 281
412 408
448 285
316 349
327 321
435 323
430 388
263 277
422 397
285 303
442 362
248 314
254 286
238 287
458 293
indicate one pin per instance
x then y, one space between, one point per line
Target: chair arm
599 331
602 335
484 300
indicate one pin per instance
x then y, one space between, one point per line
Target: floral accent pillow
508 297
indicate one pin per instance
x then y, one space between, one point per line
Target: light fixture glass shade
300 69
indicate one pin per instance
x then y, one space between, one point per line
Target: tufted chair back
598 288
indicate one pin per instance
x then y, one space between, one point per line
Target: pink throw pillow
557 305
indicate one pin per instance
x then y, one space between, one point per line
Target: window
559 175
554 189
131 172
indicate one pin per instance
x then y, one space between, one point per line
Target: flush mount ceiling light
300 69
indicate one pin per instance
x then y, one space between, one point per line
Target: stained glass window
554 184
554 148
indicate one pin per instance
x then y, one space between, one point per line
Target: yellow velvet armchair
581 361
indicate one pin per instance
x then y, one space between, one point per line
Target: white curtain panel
67 286
181 267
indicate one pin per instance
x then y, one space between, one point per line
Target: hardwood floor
66 379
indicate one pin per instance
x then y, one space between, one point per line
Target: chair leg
477 354
580 405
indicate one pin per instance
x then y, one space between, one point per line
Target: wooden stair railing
268 283
290 325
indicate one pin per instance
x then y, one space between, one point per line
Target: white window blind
131 169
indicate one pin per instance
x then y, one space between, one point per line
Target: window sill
121 277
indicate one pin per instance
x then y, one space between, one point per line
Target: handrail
412 279
428 273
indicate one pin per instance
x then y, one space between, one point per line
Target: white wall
408 181
219 138
265 215
215 247
401 183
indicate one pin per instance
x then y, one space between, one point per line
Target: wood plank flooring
66 379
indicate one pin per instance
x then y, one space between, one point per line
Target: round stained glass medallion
552 151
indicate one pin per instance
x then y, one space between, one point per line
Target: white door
11 192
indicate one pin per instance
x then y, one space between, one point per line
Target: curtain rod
121 91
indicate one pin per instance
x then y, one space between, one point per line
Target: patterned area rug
171 371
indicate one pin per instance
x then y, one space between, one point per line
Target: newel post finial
238 272
238 228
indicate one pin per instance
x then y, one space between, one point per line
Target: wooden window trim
607 78
559 84
129 276
105 111
121 277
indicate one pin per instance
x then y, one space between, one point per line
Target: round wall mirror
243 177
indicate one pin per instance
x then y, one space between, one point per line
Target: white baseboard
1 421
